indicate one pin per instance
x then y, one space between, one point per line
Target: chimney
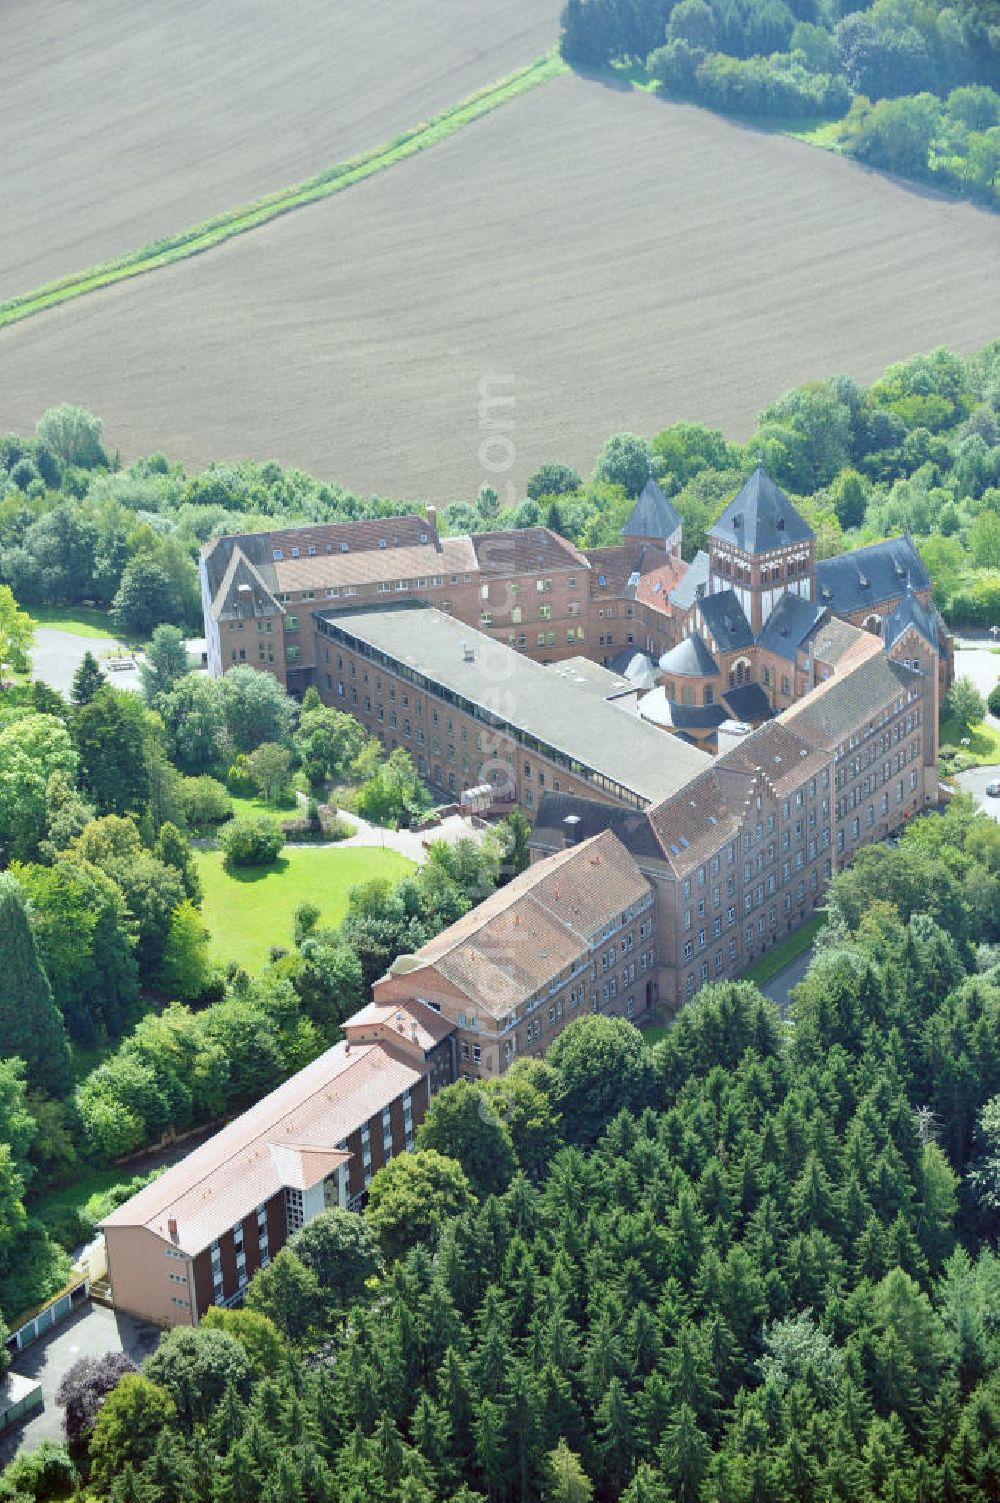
571 830
172 1229
413 1032
431 513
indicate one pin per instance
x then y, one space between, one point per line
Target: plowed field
125 120
626 262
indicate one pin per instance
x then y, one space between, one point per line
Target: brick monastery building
700 747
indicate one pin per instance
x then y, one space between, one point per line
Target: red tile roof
288 1138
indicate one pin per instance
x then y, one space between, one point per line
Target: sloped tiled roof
779 752
526 933
410 1020
287 1137
832 639
525 550
870 576
760 517
372 565
652 516
791 621
692 823
844 701
689 659
659 575
612 569
724 618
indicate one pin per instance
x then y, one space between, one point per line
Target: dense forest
920 78
753 1263
918 449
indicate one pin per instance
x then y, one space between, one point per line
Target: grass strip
768 966
335 179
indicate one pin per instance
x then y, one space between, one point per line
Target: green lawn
790 949
257 808
249 912
984 741
652 1033
75 1196
78 620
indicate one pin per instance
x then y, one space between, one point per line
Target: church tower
760 548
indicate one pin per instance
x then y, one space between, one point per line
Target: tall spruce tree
30 1024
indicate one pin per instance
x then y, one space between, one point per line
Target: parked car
993 789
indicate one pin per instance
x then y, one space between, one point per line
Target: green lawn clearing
984 741
790 949
252 910
78 620
75 1196
261 808
653 1033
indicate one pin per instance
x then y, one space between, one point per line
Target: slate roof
748 702
635 666
652 516
910 612
684 594
724 618
791 621
870 576
760 517
630 826
525 550
659 710
689 659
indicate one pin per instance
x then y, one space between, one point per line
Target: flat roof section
536 706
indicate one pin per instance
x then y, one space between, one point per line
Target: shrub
251 842
46 1472
338 829
239 778
993 703
206 802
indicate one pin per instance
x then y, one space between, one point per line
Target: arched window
739 673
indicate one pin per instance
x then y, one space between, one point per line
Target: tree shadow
250 874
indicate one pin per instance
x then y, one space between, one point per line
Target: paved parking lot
975 781
90 1332
58 654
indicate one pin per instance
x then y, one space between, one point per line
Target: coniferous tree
30 1025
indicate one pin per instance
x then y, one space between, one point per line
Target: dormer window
424 538
311 549
343 548
277 554
295 553
381 542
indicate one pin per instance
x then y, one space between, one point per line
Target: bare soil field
626 262
124 121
